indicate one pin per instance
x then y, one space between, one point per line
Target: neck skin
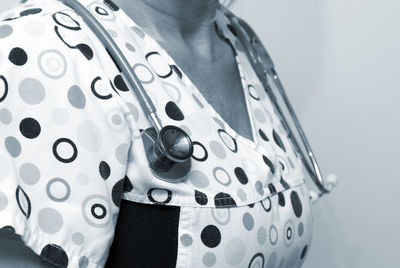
188 22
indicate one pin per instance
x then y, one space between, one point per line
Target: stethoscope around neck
169 146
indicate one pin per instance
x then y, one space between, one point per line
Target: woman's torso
244 202
274 231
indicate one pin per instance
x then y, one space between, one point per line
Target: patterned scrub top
71 147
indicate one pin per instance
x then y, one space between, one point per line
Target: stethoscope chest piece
168 152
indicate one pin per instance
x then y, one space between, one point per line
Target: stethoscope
170 146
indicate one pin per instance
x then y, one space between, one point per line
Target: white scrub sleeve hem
34 239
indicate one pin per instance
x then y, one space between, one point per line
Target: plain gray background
340 63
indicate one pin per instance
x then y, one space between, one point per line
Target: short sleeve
64 144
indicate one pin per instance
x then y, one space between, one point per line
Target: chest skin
218 79
222 88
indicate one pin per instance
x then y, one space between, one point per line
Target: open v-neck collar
222 20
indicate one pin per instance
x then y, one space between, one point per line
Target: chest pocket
226 169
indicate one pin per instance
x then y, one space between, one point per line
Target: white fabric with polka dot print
71 147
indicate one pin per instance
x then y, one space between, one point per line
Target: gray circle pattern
31 91
87 207
53 187
246 224
29 173
222 176
52 63
245 229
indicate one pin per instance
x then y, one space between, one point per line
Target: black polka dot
104 170
201 198
284 184
281 199
272 188
304 252
241 175
113 88
55 255
224 200
117 190
24 13
18 56
86 51
173 111
83 48
71 143
251 205
3 80
263 135
120 83
127 185
211 236
31 11
269 164
29 127
278 140
296 204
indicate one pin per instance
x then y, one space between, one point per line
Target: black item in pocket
146 235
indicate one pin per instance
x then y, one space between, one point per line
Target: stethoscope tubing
262 66
313 171
145 101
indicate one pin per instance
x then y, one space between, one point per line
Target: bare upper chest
218 80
